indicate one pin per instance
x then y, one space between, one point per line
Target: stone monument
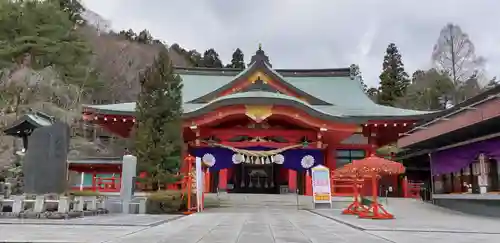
45 164
129 166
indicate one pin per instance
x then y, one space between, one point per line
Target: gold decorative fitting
258 113
259 75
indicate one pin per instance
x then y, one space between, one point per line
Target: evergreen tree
238 60
144 37
211 59
129 34
38 34
393 79
492 83
356 72
74 9
429 90
372 93
158 133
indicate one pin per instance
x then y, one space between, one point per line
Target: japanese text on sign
321 184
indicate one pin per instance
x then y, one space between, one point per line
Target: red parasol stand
356 206
374 167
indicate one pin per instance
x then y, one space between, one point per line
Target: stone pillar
482 178
39 204
142 205
292 181
18 204
92 205
79 203
63 205
7 190
129 166
223 180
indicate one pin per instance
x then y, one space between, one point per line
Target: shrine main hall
260 130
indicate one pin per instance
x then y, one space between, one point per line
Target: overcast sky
312 33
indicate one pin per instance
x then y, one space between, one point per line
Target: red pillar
292 180
405 187
223 179
207 180
308 182
331 160
94 184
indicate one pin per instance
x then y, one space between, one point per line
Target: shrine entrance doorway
252 178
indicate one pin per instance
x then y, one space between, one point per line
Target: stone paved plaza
416 222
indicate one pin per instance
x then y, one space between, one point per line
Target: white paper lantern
208 159
279 159
236 158
307 162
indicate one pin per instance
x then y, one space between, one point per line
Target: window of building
346 156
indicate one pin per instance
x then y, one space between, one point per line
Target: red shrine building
261 129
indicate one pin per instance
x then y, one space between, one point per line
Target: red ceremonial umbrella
374 167
348 172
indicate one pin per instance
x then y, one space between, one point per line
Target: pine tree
158 133
144 37
39 34
74 8
393 79
211 59
128 34
356 72
238 60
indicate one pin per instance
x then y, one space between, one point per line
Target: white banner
199 185
321 185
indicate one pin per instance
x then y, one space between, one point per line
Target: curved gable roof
330 93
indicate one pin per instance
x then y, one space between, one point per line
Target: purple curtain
293 157
454 159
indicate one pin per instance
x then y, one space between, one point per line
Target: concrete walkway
222 226
416 222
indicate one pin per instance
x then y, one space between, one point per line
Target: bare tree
455 55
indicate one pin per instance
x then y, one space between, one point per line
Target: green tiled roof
123 108
348 100
198 85
28 121
263 97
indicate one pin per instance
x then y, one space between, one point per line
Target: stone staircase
261 201
270 201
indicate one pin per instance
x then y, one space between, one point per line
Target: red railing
111 184
412 189
342 187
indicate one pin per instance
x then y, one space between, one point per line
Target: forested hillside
56 56
53 61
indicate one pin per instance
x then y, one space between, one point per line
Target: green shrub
165 202
168 202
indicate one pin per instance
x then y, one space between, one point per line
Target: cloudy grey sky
312 33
